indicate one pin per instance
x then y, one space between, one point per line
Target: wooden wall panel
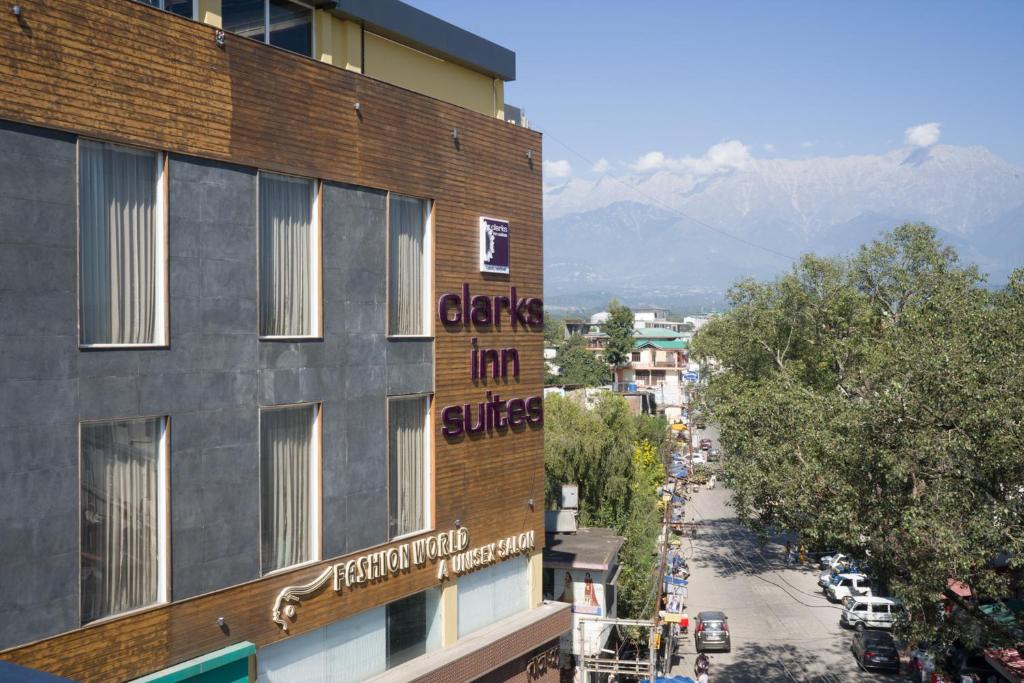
120 71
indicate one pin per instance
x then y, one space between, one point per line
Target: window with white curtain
289 485
408 266
408 465
289 246
121 252
489 595
124 516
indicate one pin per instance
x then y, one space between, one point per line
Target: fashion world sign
465 310
448 550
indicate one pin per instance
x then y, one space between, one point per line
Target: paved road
783 628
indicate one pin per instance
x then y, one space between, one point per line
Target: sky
624 82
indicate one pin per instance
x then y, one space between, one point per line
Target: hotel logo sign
494 246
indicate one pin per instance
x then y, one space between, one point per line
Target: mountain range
634 237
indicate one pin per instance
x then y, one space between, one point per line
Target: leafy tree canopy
619 329
875 405
579 366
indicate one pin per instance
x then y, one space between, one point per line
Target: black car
875 650
711 632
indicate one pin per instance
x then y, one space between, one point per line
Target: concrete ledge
487 649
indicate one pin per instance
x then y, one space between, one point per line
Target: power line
672 209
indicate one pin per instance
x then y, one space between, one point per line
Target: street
783 628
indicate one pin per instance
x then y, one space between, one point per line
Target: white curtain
285 459
406 417
286 263
489 595
408 229
119 516
118 266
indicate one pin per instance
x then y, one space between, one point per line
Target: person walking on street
789 552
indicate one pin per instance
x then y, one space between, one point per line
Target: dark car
714 455
705 444
875 650
711 632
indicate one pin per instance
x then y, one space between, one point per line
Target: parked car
699 458
868 611
875 650
826 561
699 424
711 632
847 584
714 455
837 567
705 444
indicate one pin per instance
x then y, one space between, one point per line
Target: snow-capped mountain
628 236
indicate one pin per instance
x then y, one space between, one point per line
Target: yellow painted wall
449 613
409 68
536 570
337 41
209 12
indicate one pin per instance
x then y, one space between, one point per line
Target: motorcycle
701 665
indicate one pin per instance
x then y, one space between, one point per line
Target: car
826 561
699 458
705 444
846 565
714 455
847 584
875 650
711 632
868 611
699 424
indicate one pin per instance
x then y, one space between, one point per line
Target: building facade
270 354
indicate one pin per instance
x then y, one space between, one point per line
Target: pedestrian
803 554
789 552
684 623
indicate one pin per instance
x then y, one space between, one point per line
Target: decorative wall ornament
296 594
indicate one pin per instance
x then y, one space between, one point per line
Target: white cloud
557 169
807 144
924 135
768 147
601 166
721 157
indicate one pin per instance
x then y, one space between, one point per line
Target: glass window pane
407 629
181 7
286 437
407 270
119 241
406 465
291 27
245 17
120 554
286 250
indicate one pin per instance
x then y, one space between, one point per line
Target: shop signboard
494 245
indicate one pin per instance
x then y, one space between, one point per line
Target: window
289 485
489 595
124 516
289 257
179 7
121 259
408 266
636 356
408 465
359 647
282 23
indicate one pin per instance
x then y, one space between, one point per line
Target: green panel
227 665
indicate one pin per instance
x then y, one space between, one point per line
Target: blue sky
788 79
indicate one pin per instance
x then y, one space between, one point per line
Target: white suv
867 611
847 584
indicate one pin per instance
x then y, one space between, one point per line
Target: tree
577 365
619 329
614 458
878 404
554 331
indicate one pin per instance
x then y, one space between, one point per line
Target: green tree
614 458
579 366
554 331
619 329
877 402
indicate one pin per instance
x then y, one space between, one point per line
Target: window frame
428 465
428 268
315 484
163 518
161 220
266 27
162 6
316 262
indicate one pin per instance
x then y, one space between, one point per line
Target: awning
1007 662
